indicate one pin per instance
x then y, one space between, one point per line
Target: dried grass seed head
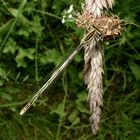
109 26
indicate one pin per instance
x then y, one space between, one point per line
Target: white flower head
63 20
68 15
70 9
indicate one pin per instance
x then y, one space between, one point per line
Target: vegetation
32 42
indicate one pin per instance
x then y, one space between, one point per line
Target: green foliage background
32 42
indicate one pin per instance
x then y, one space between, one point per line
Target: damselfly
86 39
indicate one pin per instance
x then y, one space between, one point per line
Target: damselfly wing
86 39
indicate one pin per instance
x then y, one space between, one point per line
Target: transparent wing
59 70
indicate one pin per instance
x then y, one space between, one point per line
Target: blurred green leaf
6 96
3 73
1 82
24 53
73 118
36 26
80 103
10 46
135 69
5 27
59 110
51 56
20 17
